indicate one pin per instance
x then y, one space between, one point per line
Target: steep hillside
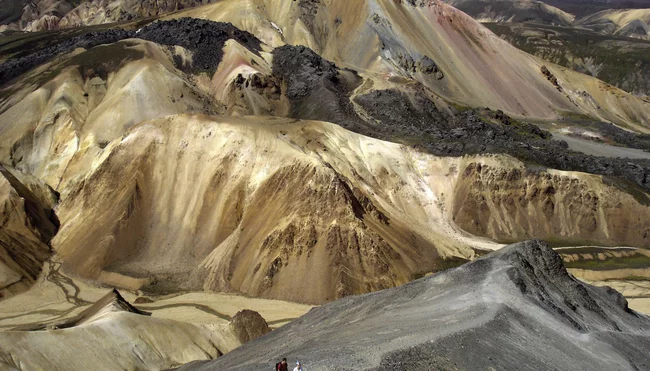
383 38
248 222
246 215
622 62
216 159
517 308
46 15
84 119
633 23
23 15
27 224
513 11
582 8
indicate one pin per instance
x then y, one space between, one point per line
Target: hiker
298 366
282 366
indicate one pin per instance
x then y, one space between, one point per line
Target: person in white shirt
298 367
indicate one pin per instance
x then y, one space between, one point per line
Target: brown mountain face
235 154
27 225
155 196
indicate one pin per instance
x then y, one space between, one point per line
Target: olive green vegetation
611 263
619 61
630 188
629 278
587 250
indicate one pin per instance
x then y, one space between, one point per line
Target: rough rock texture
205 39
428 66
316 87
517 308
20 64
413 114
248 325
270 201
550 77
509 205
27 224
38 15
253 222
92 12
46 15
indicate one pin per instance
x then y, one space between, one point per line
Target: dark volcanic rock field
204 38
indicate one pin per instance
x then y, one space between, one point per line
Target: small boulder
248 325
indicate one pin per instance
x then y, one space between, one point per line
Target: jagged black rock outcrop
316 87
517 308
204 38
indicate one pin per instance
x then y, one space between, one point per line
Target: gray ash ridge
204 38
517 308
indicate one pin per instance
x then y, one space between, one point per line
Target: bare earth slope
513 11
382 38
27 224
93 124
517 308
625 22
114 335
246 215
44 15
622 62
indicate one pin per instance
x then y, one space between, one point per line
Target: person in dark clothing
282 366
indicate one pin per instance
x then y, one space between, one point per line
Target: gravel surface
516 308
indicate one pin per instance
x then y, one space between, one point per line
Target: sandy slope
58 127
35 332
392 213
27 223
480 69
260 203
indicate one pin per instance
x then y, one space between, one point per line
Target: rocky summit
222 184
516 308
